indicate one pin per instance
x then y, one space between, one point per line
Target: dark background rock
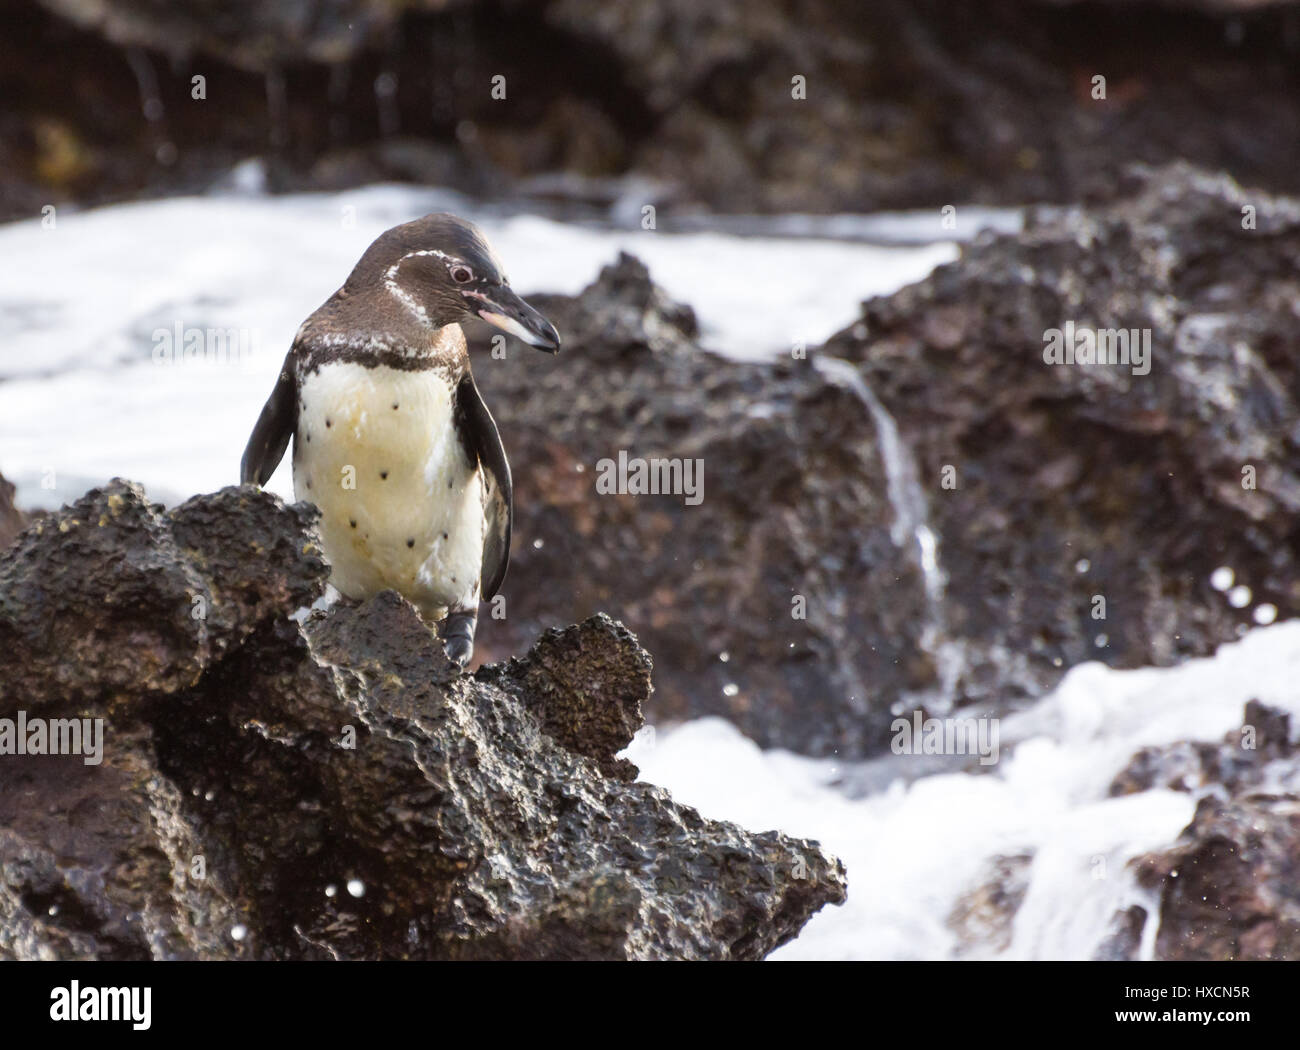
1135 480
909 102
794 506
1073 482
12 519
474 817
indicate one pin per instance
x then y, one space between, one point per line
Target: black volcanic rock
1228 888
779 600
825 479
335 788
1075 483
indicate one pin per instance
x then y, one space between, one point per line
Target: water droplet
356 887
239 931
331 890
1239 596
1082 565
724 656
730 689
1101 641
1265 614
537 544
1221 578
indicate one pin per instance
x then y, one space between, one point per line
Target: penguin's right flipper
273 430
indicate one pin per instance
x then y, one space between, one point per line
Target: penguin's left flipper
274 428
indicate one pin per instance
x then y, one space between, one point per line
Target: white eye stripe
453 262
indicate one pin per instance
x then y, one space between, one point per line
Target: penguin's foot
459 650
458 636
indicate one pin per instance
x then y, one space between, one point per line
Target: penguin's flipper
479 434
273 430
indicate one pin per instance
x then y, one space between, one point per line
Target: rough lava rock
11 518
825 479
329 782
1067 484
1229 888
763 600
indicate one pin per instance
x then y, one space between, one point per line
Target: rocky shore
327 786
925 513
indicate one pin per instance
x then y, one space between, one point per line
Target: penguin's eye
461 274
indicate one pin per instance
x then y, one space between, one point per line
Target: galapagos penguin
391 439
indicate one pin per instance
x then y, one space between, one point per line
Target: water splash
277 107
911 531
151 104
911 514
386 102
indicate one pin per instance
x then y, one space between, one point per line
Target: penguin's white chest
401 502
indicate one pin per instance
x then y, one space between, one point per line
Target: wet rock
1123 939
1076 512
1243 760
330 786
12 519
114 594
739 106
1227 889
1082 510
983 918
762 599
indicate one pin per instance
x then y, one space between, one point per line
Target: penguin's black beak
501 307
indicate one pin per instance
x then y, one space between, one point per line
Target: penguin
391 439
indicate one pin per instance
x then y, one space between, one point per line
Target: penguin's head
441 270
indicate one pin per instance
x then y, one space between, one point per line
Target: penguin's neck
341 332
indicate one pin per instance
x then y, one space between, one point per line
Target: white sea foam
915 847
